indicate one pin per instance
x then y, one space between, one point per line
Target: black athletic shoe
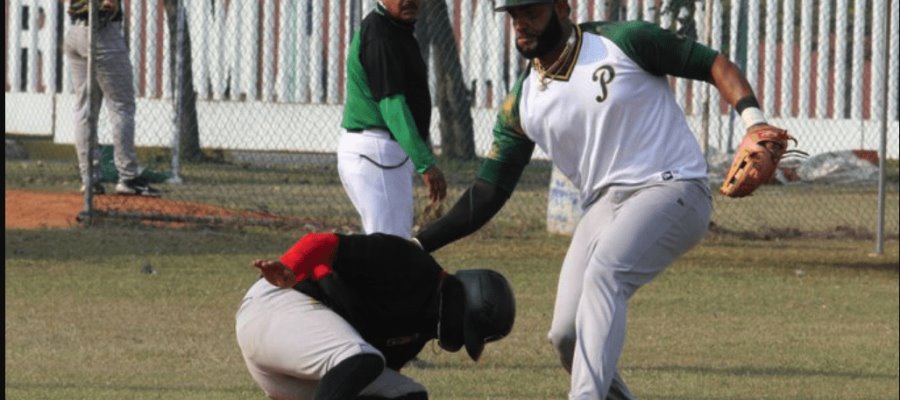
137 187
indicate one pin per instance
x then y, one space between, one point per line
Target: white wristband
753 116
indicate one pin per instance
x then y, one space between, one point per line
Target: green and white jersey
387 85
611 118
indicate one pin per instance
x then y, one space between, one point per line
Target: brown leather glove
756 159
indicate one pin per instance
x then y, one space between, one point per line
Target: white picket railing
292 51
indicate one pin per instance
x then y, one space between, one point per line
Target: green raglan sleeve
400 122
659 51
511 150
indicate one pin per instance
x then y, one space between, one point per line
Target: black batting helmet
490 308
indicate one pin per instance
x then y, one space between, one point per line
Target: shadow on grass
698 397
547 367
884 266
761 372
770 234
128 388
879 267
54 244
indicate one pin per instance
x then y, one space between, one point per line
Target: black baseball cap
507 4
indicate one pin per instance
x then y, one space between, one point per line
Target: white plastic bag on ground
837 167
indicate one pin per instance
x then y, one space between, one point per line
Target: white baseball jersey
610 123
610 118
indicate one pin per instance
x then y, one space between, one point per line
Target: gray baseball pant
116 82
289 341
627 237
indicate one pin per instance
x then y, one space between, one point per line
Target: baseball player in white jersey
596 99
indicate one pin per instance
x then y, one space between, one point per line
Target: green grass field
733 319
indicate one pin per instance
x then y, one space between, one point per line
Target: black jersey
387 289
384 60
387 85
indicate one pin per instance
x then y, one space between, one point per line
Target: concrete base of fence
15 151
563 205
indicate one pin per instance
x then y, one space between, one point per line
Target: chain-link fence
239 102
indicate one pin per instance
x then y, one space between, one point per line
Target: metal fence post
882 143
179 93
93 113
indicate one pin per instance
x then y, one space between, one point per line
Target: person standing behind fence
115 80
386 121
596 99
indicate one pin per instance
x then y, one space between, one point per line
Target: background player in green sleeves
386 121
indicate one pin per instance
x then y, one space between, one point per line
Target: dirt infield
34 210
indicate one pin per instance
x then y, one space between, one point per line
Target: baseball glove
757 159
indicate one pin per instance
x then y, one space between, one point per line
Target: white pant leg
116 79
571 276
289 340
76 49
377 176
649 227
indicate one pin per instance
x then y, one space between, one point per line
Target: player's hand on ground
276 273
437 186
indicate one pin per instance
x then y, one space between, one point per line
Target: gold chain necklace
544 74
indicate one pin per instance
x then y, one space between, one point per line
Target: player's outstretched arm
730 81
474 209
